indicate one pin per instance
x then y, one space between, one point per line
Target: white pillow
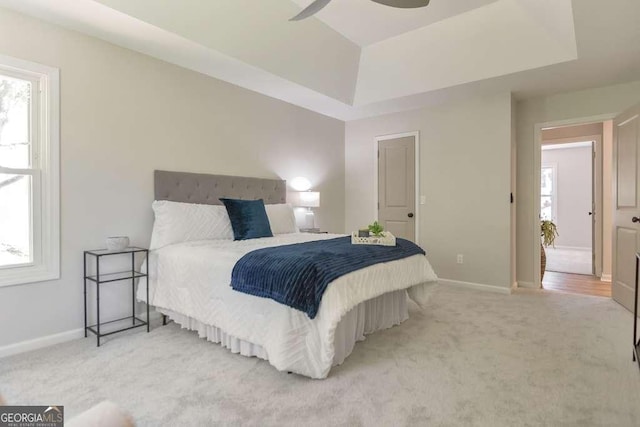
183 222
281 218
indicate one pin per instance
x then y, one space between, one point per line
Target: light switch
423 200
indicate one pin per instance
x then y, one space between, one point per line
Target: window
29 172
548 193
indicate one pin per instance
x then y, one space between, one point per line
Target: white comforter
193 278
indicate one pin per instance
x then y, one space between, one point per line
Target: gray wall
465 174
565 106
122 116
573 200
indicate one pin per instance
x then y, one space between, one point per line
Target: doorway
397 184
567 199
575 194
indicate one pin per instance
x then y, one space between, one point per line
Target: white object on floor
472 358
193 279
569 260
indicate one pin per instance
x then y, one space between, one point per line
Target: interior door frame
537 165
416 141
597 206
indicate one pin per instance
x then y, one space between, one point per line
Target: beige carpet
472 358
564 260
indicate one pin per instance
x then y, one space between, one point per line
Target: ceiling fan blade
310 10
405 4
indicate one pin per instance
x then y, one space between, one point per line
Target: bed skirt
367 317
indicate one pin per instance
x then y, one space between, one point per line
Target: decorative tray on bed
387 239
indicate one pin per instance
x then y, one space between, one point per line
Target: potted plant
548 234
376 229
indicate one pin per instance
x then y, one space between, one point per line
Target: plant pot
543 263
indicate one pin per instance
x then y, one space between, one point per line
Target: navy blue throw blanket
297 275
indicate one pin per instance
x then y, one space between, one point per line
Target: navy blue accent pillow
249 218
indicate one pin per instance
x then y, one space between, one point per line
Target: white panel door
626 223
396 186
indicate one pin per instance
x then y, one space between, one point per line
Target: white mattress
192 279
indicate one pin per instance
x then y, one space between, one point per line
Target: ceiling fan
317 5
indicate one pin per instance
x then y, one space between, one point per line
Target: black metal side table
102 278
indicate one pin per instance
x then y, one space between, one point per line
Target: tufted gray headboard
207 189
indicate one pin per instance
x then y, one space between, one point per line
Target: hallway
576 284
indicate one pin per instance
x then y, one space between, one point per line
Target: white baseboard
606 278
477 286
528 285
46 341
573 248
49 340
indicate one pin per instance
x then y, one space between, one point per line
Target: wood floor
576 284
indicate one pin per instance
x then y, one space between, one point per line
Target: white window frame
554 190
45 173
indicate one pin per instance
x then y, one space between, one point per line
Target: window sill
25 275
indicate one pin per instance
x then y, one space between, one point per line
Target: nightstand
313 230
100 279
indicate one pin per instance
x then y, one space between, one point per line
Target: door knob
635 219
590 213
411 215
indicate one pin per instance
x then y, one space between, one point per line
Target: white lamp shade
309 199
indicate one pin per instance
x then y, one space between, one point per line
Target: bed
189 282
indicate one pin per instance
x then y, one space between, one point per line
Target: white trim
528 285
568 145
22 66
537 161
573 248
62 337
42 342
45 175
606 278
416 141
476 286
572 139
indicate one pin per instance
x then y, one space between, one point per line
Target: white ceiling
375 22
384 61
501 38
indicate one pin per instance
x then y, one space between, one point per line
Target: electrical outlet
423 200
460 259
